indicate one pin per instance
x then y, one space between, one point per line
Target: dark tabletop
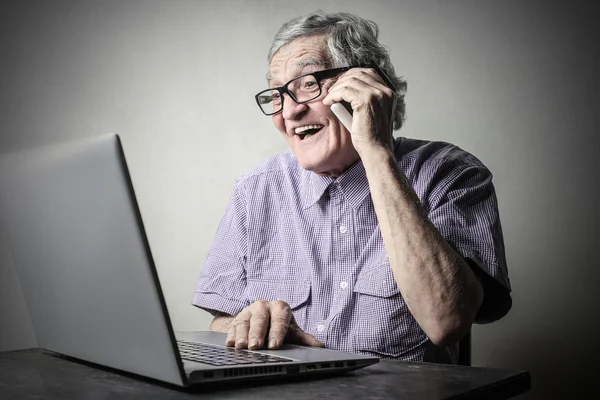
37 374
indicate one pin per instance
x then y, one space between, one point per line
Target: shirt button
320 328
343 284
343 229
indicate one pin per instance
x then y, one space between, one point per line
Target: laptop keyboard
218 356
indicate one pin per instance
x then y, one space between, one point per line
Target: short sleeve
222 282
462 204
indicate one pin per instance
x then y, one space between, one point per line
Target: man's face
327 147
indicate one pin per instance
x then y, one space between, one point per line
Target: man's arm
439 288
221 288
437 284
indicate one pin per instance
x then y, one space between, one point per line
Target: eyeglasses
302 89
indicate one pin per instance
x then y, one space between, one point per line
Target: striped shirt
314 242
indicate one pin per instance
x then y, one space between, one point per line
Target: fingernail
253 342
272 343
241 342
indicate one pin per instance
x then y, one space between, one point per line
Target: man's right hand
265 324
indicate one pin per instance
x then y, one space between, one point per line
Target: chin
308 165
319 170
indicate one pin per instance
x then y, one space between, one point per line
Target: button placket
343 254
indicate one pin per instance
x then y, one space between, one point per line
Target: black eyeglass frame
318 75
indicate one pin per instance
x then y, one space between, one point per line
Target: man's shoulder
419 153
281 165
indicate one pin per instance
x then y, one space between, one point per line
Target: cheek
279 123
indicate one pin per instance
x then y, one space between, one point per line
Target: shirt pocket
296 293
385 327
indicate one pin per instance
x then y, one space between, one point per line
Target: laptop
69 214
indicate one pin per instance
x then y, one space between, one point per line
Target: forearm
438 286
221 323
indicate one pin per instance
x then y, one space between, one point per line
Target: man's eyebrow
305 62
311 61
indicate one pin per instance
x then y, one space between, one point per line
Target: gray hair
351 40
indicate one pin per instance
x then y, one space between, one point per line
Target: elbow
451 328
447 334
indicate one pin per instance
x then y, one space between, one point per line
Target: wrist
221 322
376 155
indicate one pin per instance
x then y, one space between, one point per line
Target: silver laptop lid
78 245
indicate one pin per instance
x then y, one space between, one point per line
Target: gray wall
513 83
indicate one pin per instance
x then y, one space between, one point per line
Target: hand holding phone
343 110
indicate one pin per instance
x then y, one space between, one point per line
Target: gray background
513 82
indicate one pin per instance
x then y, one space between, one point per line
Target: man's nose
290 108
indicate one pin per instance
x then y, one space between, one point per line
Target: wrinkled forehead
302 55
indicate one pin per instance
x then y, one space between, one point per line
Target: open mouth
307 131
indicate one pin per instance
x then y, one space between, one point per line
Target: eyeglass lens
302 89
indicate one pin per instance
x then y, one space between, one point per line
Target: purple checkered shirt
314 242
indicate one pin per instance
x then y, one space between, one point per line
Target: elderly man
352 239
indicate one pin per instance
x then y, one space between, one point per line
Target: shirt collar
313 187
353 183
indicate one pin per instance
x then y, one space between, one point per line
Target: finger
354 89
366 75
241 334
339 93
281 315
259 325
355 86
298 336
242 325
309 340
230 340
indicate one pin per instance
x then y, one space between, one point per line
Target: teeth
307 127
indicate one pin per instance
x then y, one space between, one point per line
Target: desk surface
36 374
